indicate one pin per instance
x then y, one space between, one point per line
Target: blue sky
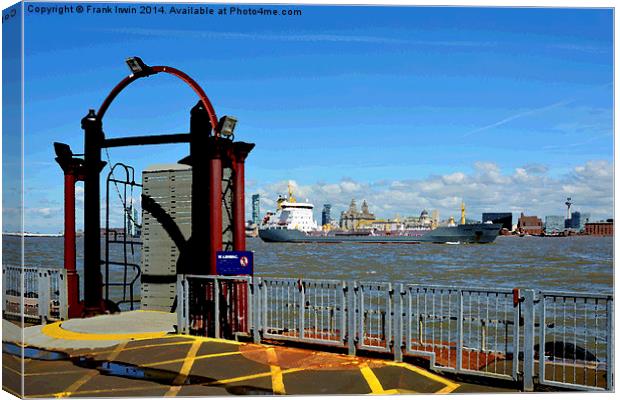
407 107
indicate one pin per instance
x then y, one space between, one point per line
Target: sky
409 108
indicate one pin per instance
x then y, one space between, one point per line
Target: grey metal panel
170 187
157 308
158 289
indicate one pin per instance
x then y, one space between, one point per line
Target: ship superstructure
291 215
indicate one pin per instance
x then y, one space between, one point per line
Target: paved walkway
133 354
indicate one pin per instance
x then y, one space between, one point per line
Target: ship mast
291 199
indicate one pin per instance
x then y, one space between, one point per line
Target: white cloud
528 188
457 177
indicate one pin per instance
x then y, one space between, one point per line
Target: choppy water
572 263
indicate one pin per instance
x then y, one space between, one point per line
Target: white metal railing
34 293
575 345
495 333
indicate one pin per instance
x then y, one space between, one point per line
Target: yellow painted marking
185 370
76 371
17 358
239 379
448 389
11 391
277 382
11 369
397 391
43 373
153 311
206 339
57 332
450 386
88 375
82 393
147 346
254 376
371 379
194 358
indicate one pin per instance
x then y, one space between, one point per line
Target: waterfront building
352 218
574 221
256 209
326 217
577 221
504 218
600 228
423 221
585 218
530 225
554 223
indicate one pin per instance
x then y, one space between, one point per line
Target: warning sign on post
234 262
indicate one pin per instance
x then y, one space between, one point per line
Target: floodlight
63 150
227 125
136 65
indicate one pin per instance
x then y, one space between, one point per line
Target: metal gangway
524 336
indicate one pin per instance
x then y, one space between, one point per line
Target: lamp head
137 66
227 126
63 151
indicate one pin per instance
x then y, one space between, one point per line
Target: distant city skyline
409 108
391 214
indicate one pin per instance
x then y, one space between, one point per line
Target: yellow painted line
43 373
450 386
448 389
231 353
371 379
277 382
206 339
239 379
185 370
56 331
77 371
397 391
154 311
83 393
17 358
88 375
147 346
11 369
254 376
11 391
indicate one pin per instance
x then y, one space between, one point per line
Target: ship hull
470 233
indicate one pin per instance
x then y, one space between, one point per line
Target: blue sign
234 262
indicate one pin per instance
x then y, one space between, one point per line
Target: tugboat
293 222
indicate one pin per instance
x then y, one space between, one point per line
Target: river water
582 264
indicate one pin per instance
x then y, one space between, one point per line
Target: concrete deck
135 354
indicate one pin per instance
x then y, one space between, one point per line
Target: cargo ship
294 222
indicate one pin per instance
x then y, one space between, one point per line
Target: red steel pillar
215 202
73 172
240 152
